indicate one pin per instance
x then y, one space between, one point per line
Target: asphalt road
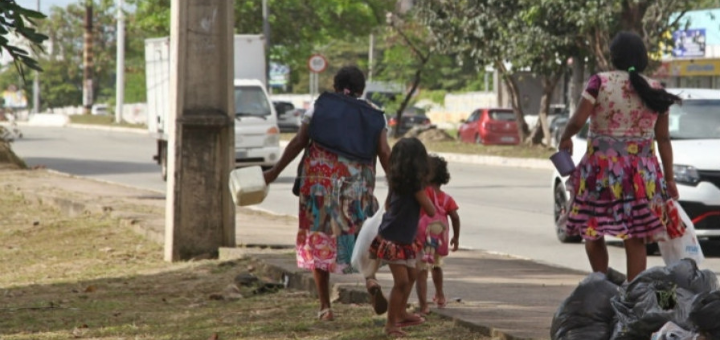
502 209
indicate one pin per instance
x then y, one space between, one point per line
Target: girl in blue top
395 243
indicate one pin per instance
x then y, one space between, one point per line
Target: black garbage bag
705 313
650 302
587 313
687 275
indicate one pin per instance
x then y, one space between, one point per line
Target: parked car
695 134
289 118
411 118
490 126
100 110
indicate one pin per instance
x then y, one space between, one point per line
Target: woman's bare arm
662 135
294 147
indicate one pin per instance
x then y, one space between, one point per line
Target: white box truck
257 137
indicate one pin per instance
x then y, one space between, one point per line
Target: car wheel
478 140
560 199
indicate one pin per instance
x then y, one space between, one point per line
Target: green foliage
62 79
15 19
298 28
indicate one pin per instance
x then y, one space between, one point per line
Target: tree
412 40
480 31
15 19
540 36
297 28
61 84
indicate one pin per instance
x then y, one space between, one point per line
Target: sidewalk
500 296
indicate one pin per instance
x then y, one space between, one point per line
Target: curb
93 127
527 163
108 128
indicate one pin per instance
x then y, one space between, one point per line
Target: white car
695 134
257 136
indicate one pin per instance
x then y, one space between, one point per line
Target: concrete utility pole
200 214
120 61
266 35
88 58
371 55
36 83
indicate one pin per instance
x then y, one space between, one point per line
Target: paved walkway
501 296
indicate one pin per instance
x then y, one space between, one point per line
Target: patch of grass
107 120
516 151
85 277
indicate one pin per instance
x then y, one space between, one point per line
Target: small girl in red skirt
395 244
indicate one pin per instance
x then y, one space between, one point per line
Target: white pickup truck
257 137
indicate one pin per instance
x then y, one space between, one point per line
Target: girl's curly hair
439 170
409 167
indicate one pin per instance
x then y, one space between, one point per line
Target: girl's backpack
441 216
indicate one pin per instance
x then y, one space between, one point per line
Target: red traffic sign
317 63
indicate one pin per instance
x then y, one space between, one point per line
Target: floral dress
336 197
618 188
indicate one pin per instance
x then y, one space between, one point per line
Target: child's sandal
326 315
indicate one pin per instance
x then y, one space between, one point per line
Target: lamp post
120 76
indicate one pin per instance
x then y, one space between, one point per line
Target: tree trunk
408 96
577 82
541 130
514 92
633 12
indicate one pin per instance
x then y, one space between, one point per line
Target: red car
490 126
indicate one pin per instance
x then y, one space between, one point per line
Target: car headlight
273 137
686 174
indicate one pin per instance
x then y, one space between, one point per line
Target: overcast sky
45 4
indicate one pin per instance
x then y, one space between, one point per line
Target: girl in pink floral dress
618 187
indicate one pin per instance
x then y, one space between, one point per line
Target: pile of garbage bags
679 302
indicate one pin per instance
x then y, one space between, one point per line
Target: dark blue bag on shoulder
347 126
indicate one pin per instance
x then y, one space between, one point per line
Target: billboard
689 43
14 98
279 75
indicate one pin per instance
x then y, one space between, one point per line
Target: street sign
317 63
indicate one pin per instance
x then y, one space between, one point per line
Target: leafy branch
17 20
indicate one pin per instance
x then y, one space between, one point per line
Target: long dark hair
628 53
349 80
409 167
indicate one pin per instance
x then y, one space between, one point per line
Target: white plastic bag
360 259
684 247
672 331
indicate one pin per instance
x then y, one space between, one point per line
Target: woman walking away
337 181
395 243
619 188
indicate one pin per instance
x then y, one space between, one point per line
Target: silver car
289 117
